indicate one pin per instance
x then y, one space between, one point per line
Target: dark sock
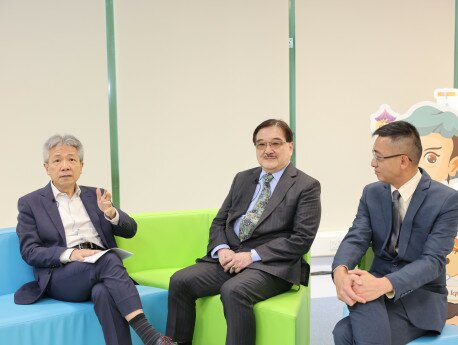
145 331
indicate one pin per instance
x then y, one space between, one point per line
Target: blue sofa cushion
449 335
11 263
52 322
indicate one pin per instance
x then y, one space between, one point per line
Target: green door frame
112 103
292 73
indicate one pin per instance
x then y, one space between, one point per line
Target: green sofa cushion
157 277
283 319
168 241
172 239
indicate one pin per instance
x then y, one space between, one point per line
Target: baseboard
327 242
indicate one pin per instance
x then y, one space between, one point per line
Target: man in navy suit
62 224
266 224
410 221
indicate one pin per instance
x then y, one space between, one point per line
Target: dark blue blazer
427 234
42 235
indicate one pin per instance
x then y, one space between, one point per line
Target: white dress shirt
77 224
406 191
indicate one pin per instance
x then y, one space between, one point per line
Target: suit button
241 246
395 265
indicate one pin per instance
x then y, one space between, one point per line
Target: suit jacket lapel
246 190
50 205
417 199
90 204
285 183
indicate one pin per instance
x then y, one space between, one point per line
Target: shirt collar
57 192
276 175
408 188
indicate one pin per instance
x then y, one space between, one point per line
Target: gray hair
57 140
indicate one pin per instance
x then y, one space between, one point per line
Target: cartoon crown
383 116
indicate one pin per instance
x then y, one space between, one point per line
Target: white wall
193 84
52 80
196 77
352 57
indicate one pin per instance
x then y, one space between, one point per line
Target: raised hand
104 203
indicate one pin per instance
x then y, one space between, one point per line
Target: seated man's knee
231 292
99 291
342 332
180 280
110 259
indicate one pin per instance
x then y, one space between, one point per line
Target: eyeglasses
274 144
379 158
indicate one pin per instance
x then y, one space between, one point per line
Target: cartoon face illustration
439 138
437 157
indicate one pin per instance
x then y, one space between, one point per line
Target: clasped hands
359 286
233 262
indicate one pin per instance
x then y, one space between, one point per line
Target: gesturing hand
104 203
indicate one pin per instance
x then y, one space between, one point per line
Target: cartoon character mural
452 285
439 139
438 128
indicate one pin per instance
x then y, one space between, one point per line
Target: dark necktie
396 225
249 221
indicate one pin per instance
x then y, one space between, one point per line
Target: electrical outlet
327 242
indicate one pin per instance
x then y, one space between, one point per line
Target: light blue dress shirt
276 177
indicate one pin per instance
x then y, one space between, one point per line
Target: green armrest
166 242
366 260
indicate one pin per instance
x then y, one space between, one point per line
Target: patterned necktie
396 225
249 221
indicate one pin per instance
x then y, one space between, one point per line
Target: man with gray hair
62 224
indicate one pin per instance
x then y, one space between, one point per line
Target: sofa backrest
168 239
13 270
